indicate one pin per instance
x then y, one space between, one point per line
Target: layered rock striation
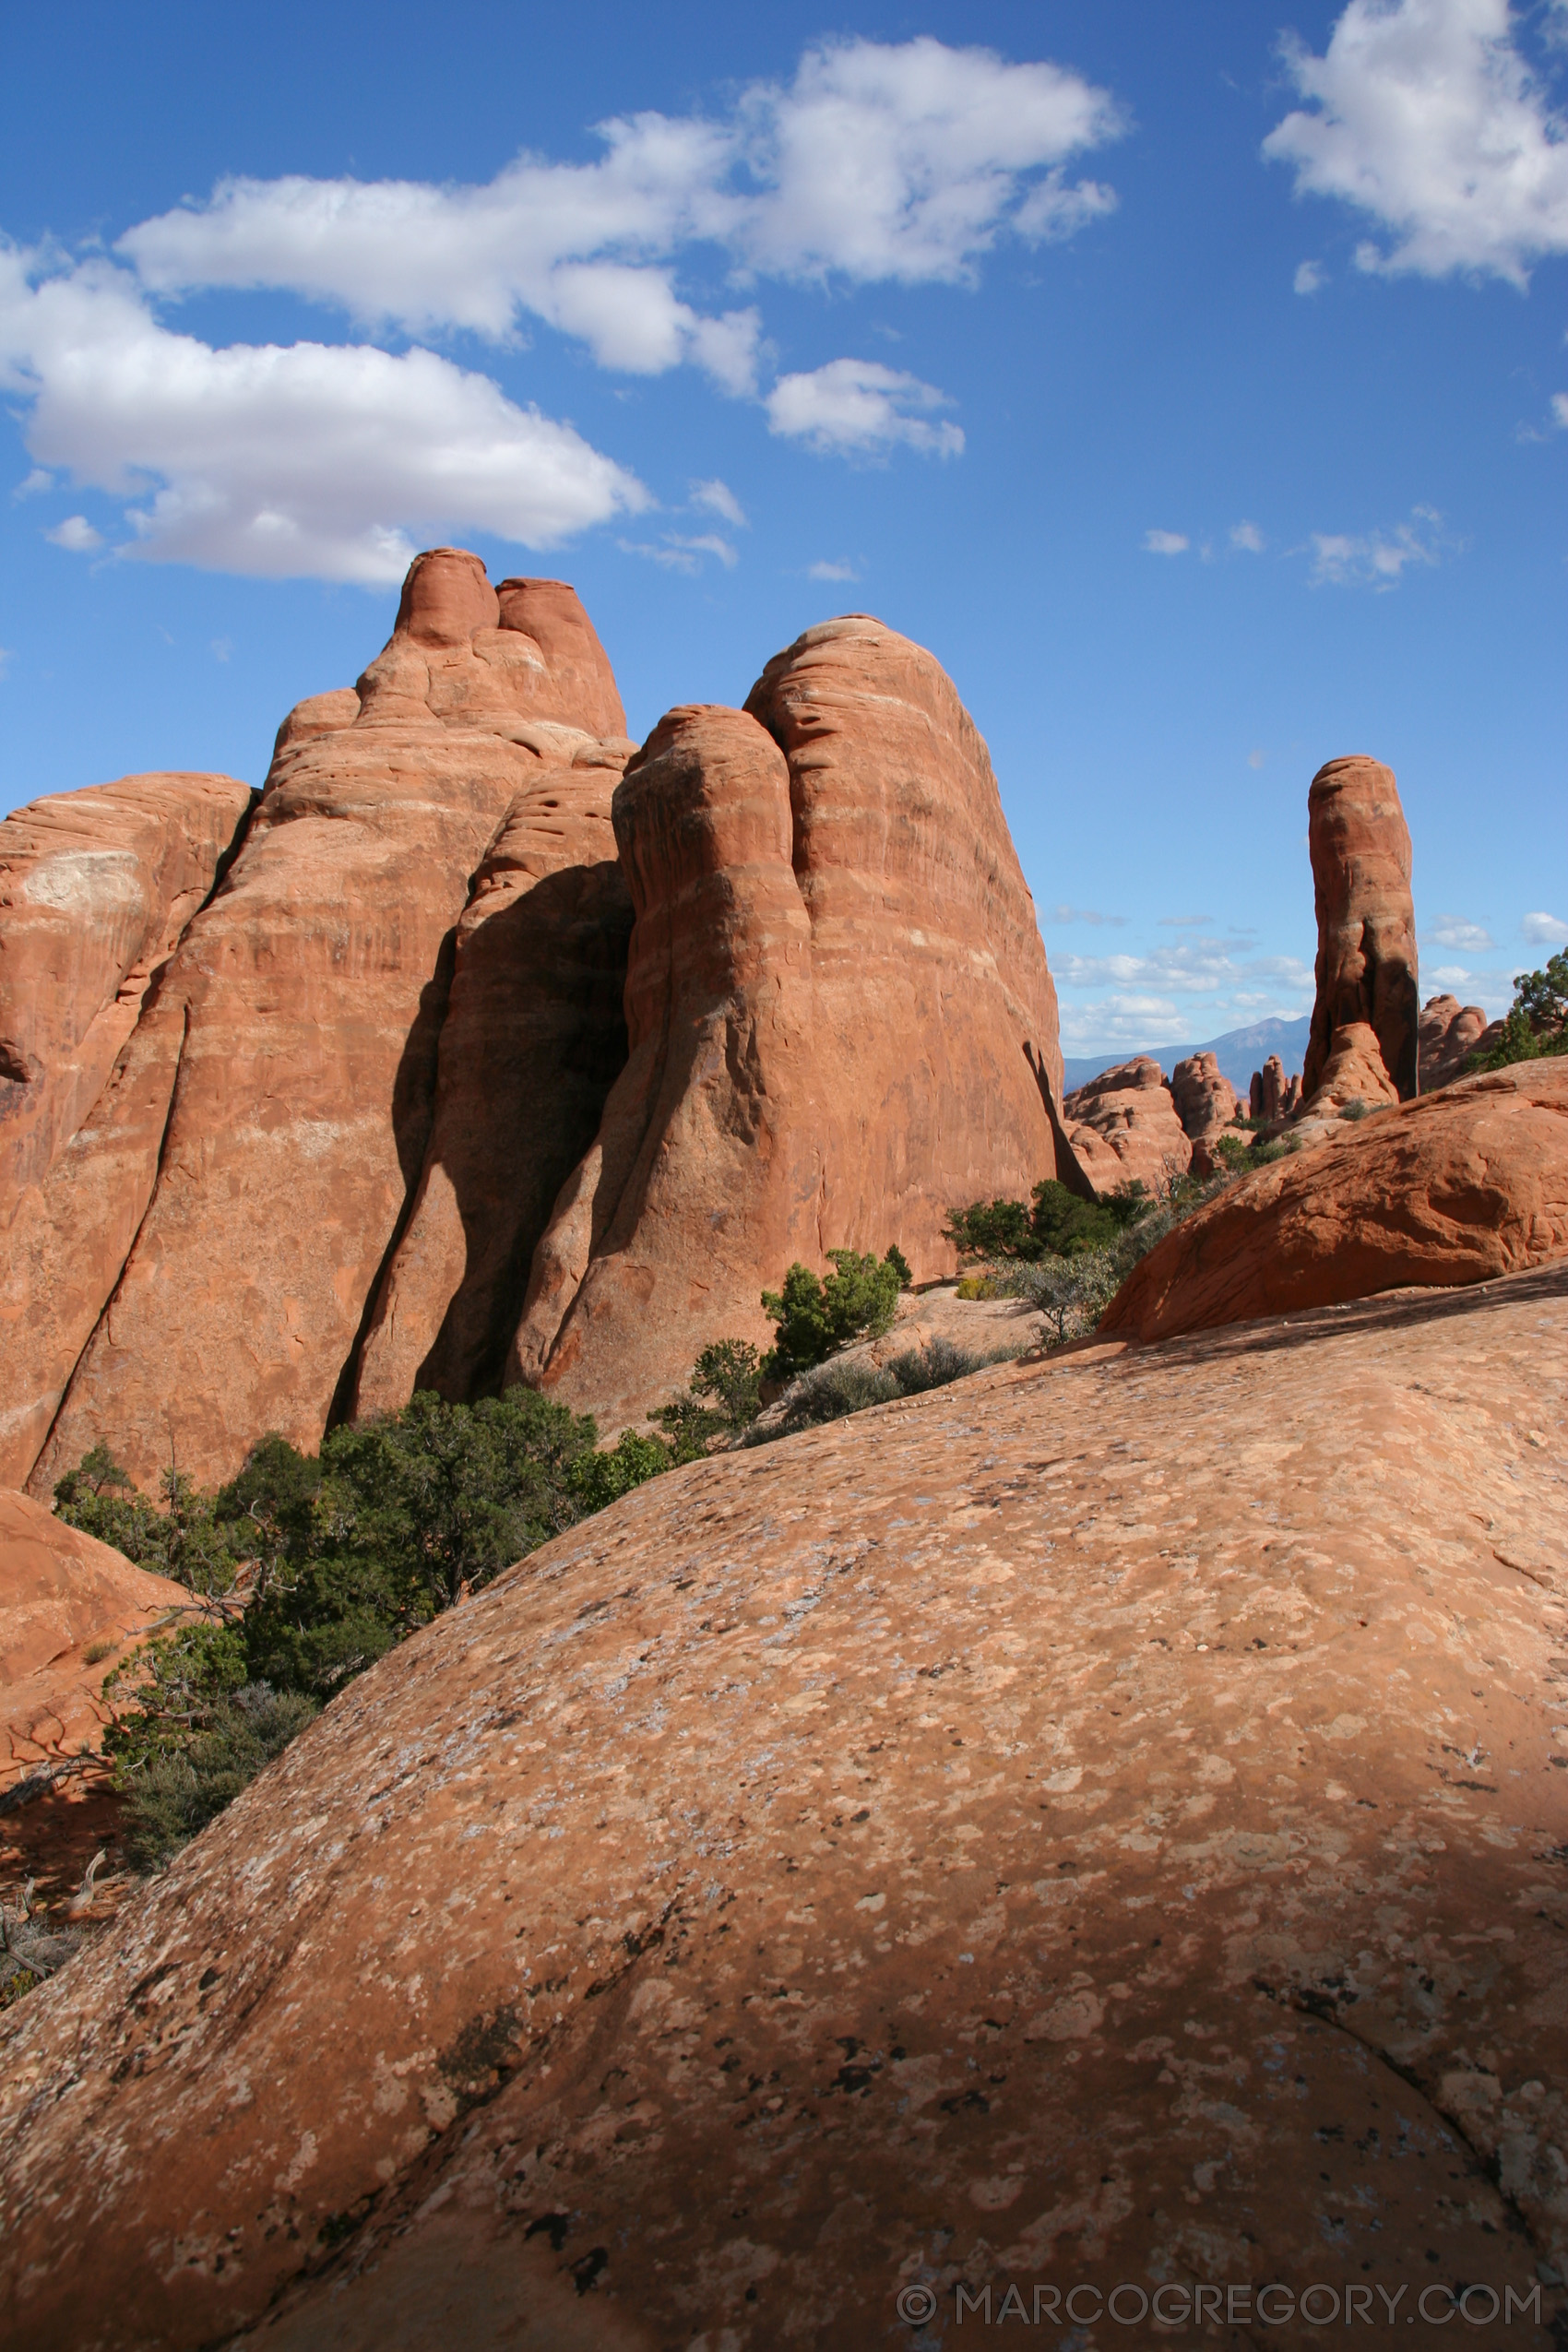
1064 1832
1366 929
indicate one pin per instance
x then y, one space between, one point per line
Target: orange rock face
1354 1072
1453 1188
1052 1833
1366 928
839 1017
303 1014
1124 1124
96 888
534 1036
1449 1033
62 1594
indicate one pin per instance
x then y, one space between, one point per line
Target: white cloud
1257 759
842 570
1084 915
1450 975
1375 559
1428 119
282 460
1166 543
1545 931
861 407
38 480
1310 276
1185 923
1247 539
1560 409
878 161
1454 931
678 555
76 534
718 498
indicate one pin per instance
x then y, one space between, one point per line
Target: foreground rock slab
1089 1827
1453 1188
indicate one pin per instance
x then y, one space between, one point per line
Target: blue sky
1192 381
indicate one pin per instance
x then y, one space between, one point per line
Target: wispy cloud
1084 915
678 552
1456 931
1247 539
1376 559
842 569
1166 543
717 498
1545 931
1310 276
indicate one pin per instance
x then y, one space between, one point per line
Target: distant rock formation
1123 1125
1272 1096
1452 1188
1206 1101
375 1126
1366 928
841 1021
1449 1033
63 1594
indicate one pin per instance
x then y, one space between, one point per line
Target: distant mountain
1238 1052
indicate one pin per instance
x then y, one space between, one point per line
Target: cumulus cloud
1246 539
862 408
1166 543
76 534
1426 117
282 460
718 498
1454 931
1545 931
1310 276
901 161
1376 559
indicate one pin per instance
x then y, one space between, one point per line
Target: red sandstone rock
62 1594
837 1005
1206 1101
974 1842
309 998
1452 1188
534 1036
1366 929
96 888
1449 1033
1269 1091
1131 1111
1354 1072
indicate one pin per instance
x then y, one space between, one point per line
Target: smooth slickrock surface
307 1002
1124 1124
533 1039
1366 925
61 1594
1083 1826
96 888
1448 1032
841 1021
1354 1072
1455 1187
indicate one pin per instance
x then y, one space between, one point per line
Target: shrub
1057 1224
1535 1023
828 1391
815 1319
933 1366
1355 1109
181 1789
724 1398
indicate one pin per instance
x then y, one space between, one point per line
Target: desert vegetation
1535 1023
